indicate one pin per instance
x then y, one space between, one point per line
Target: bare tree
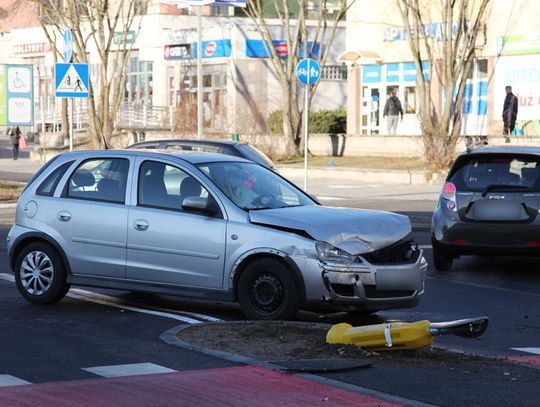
301 31
446 36
111 28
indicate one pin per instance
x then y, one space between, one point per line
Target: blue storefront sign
256 49
371 73
393 73
214 49
409 71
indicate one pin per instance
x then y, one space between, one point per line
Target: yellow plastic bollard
390 336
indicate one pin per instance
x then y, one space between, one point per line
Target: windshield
485 172
251 186
253 154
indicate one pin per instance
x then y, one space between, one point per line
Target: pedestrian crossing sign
71 80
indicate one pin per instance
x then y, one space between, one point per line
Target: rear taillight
449 194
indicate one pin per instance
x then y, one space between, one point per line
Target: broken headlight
330 254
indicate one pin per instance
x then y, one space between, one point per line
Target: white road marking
110 301
425 246
333 198
134 369
119 301
536 351
7 277
8 380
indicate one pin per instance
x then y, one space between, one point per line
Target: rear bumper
456 236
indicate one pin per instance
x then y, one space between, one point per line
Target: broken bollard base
403 335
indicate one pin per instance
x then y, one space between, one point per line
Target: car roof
189 141
188 156
507 150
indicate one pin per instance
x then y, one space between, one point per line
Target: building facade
379 60
239 84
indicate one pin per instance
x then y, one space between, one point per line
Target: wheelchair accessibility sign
71 80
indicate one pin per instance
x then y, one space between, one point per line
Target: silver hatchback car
205 226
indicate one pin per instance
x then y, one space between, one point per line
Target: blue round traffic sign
68 45
308 71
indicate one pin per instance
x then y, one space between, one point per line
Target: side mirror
200 204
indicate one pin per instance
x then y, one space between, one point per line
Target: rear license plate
497 210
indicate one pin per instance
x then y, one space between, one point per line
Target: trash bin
234 137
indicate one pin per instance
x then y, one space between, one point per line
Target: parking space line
8 380
133 369
96 298
425 246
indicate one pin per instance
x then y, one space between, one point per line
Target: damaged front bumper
375 286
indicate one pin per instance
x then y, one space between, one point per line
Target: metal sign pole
306 123
199 75
70 124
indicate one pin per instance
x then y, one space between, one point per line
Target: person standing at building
14 140
392 111
510 111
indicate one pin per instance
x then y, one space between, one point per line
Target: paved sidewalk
236 386
20 170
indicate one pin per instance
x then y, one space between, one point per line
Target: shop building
239 85
508 53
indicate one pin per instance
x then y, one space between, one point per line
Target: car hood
353 230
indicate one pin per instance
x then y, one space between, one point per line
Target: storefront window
139 80
410 99
184 86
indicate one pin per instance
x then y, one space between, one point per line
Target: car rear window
476 172
253 154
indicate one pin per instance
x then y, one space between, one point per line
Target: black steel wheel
40 274
267 290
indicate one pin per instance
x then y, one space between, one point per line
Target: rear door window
100 180
476 172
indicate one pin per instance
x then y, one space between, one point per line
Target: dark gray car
207 226
489 204
229 147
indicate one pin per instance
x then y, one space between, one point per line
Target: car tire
442 259
267 291
40 274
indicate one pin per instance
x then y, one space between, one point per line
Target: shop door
370 112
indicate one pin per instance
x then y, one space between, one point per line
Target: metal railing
144 117
130 116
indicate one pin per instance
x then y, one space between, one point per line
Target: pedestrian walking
14 136
510 111
392 111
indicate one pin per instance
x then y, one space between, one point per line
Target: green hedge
322 121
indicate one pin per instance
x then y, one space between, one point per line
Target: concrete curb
170 337
365 175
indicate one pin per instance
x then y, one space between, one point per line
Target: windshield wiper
502 187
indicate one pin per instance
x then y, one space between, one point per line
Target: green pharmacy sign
519 44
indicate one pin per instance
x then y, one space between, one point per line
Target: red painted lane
236 386
530 360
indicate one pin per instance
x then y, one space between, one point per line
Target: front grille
404 251
372 292
345 290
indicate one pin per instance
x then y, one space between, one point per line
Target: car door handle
64 216
141 225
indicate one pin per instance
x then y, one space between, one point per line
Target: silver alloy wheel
36 273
